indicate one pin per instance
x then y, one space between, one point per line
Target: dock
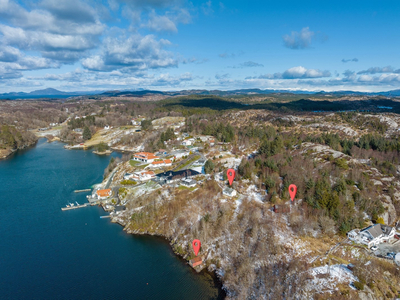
75 206
80 191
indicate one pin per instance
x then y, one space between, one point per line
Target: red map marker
231 175
196 246
292 191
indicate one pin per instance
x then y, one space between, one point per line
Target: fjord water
46 253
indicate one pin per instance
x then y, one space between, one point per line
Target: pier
80 191
75 206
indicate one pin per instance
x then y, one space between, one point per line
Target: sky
85 45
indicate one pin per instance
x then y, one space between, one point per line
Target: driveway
385 248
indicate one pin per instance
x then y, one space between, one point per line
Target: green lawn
189 162
134 163
182 187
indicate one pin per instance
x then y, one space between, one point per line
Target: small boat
67 205
71 204
76 203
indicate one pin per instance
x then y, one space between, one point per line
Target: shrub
341 163
359 285
128 182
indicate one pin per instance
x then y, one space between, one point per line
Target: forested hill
197 103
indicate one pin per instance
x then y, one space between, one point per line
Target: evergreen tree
87 135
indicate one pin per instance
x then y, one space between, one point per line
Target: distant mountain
45 93
54 93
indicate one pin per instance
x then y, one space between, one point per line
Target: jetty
80 191
75 206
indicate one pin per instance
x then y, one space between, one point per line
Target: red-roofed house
161 163
196 261
103 194
145 157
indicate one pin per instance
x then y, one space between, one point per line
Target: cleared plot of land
168 120
110 136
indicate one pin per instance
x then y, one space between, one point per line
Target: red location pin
292 191
196 246
231 175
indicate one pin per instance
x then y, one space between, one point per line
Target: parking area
385 248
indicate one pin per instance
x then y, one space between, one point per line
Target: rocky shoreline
198 269
7 153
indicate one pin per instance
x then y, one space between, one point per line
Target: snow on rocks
326 278
321 149
252 194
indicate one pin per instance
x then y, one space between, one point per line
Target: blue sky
173 45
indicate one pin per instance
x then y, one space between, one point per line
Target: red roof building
145 157
197 261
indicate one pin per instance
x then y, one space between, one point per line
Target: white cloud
207 8
135 52
161 23
295 73
299 40
375 70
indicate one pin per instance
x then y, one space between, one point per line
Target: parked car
391 255
374 248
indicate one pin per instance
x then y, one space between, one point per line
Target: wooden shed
196 261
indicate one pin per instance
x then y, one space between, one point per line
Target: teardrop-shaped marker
231 175
196 246
292 191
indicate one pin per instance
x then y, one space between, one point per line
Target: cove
46 253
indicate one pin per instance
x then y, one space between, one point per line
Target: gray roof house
372 235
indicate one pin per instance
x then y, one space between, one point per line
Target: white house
188 182
229 192
128 176
143 175
160 163
145 157
372 235
180 153
187 143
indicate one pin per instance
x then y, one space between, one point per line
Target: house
186 143
145 157
180 153
229 192
170 176
188 182
281 208
119 208
103 194
143 175
128 176
196 261
372 235
160 163
162 152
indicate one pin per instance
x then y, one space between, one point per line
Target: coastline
8 153
218 283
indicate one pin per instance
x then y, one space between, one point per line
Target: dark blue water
46 253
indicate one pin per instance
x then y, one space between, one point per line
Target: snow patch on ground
335 274
252 193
